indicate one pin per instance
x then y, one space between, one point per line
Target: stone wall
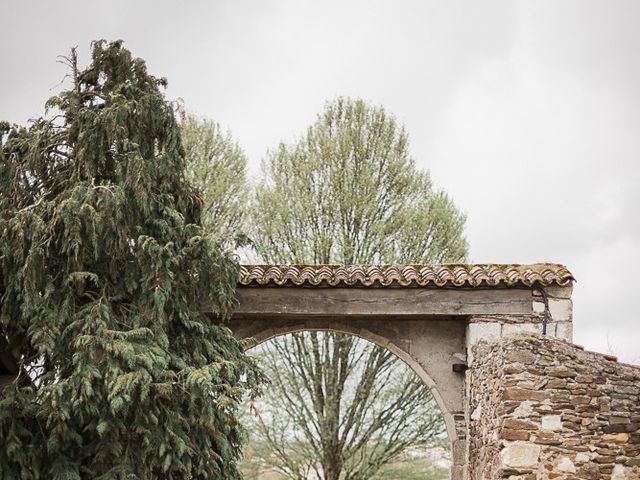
540 408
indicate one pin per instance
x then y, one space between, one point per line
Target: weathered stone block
551 422
522 394
513 329
520 455
560 309
565 465
564 331
619 473
489 331
615 438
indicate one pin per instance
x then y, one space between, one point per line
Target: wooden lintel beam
260 302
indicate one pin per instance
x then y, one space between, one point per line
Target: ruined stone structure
492 342
542 408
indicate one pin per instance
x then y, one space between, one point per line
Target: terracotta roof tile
445 275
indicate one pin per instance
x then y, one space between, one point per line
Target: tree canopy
217 166
347 192
339 407
105 271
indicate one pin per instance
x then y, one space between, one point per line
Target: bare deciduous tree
347 192
217 166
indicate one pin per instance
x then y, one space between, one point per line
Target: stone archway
429 316
446 341
443 319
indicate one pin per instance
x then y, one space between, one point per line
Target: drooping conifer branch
104 272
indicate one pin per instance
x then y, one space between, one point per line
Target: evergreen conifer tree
105 272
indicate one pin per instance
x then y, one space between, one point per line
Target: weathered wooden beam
260 302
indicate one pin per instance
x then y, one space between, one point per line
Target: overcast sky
527 113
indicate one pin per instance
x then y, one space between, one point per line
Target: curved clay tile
446 275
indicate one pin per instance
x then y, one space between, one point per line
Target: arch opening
424 405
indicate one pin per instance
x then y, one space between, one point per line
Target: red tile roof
446 275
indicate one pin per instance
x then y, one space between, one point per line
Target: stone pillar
493 327
560 309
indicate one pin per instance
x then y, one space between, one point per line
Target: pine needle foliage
105 271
